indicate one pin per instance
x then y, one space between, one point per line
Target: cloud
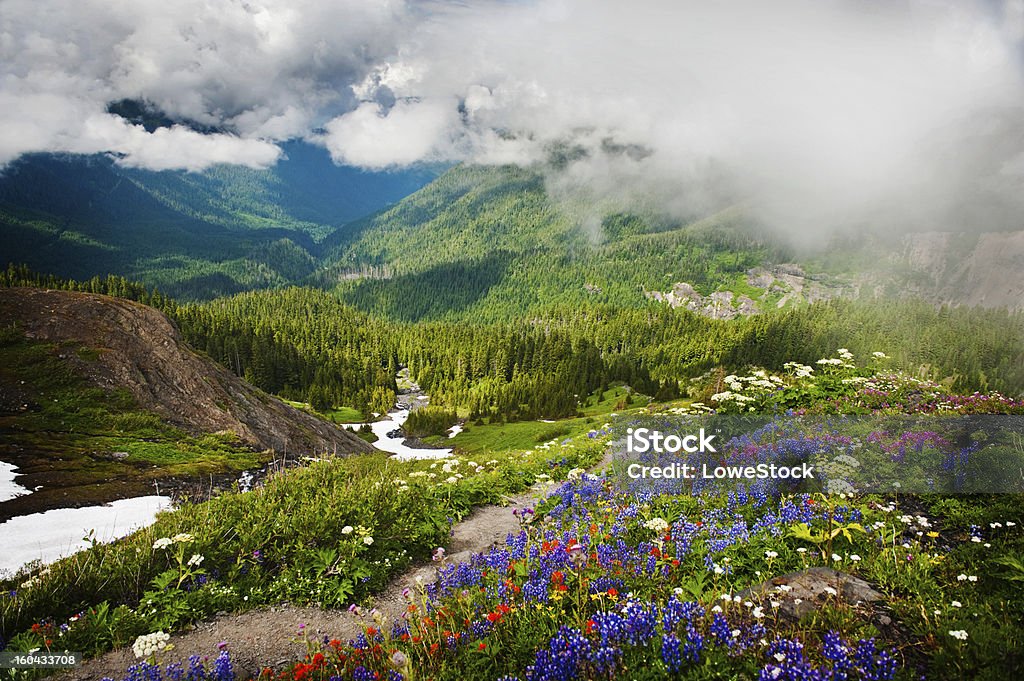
818 114
261 71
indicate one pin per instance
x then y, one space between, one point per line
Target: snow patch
8 488
54 534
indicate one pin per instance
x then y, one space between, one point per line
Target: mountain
488 244
193 235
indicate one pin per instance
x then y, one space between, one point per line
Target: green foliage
327 533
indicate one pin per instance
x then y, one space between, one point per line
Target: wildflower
956 604
771 554
854 557
162 543
348 529
438 554
368 540
182 538
196 560
149 644
959 634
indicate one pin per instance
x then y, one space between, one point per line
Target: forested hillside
308 344
491 244
194 235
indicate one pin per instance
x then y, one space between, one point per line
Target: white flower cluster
196 560
148 645
657 524
180 538
360 532
799 370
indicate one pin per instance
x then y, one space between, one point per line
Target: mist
814 116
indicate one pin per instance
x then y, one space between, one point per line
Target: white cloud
819 113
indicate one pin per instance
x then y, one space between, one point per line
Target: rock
801 593
142 352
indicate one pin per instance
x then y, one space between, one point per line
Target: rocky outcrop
138 349
800 593
781 285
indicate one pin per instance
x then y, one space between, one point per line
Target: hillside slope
137 349
193 235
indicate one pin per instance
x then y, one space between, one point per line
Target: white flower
182 538
758 613
961 577
830 591
196 560
972 578
957 604
780 657
162 543
879 355
959 634
836 557
716 608
1010 523
854 557
771 554
657 524
368 541
149 644
801 550
347 529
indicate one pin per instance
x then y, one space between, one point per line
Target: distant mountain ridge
194 235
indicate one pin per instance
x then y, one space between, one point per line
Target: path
269 636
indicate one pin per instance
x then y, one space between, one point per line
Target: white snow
60 532
8 488
454 430
396 445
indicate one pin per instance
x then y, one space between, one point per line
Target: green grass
284 541
345 415
336 415
521 435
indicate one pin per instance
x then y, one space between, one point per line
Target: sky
817 112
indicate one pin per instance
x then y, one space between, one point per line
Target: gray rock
801 593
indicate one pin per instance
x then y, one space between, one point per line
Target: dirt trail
269 637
